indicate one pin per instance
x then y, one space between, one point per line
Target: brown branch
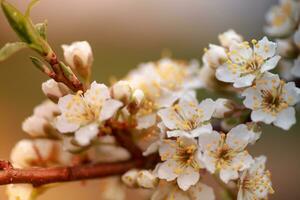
42 176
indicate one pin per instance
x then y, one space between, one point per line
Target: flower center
185 155
273 102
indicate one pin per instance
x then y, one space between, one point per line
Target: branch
42 176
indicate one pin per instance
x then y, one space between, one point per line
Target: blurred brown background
124 33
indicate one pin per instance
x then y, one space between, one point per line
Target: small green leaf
67 71
41 28
11 48
30 6
41 66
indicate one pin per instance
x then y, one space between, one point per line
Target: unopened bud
36 126
136 101
214 56
54 90
21 192
138 96
223 106
80 57
121 91
230 37
130 178
286 48
146 179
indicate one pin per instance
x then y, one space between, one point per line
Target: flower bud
39 152
36 126
297 37
214 56
80 57
286 48
54 90
138 96
230 37
21 192
121 91
146 179
223 106
130 178
136 101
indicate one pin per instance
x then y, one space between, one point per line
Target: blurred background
124 33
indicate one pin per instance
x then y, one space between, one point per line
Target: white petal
146 121
228 174
261 116
238 137
291 93
208 107
97 94
178 133
166 149
253 98
209 161
110 107
286 118
201 191
225 74
270 64
209 141
85 134
169 117
240 52
64 126
244 81
206 128
166 170
188 178
265 48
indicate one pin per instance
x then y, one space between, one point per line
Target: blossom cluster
155 106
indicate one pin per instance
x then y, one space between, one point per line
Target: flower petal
270 64
109 108
85 134
286 118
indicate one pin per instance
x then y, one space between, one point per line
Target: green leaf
30 6
41 66
11 48
41 28
67 71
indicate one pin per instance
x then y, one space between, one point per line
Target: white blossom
83 113
162 83
271 101
246 64
54 90
188 118
181 162
229 38
286 48
282 19
170 191
78 55
296 37
255 182
226 154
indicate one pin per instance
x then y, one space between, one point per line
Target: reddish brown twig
42 176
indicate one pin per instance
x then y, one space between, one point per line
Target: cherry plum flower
181 162
246 64
255 183
187 117
271 101
226 154
83 113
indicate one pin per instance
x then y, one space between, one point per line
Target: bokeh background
124 33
